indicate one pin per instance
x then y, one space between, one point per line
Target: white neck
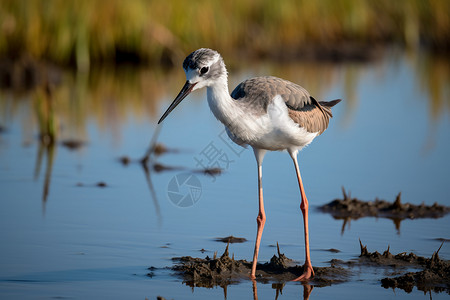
220 102
241 127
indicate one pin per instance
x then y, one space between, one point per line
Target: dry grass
83 32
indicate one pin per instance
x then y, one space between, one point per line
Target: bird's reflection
144 163
152 192
278 287
148 163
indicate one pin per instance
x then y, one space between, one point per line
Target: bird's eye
204 70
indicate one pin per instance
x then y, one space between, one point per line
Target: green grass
90 31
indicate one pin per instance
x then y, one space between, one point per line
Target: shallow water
64 236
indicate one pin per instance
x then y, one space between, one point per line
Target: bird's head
203 68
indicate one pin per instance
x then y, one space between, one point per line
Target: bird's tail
327 105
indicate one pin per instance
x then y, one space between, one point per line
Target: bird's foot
308 273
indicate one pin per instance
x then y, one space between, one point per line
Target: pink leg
261 219
308 271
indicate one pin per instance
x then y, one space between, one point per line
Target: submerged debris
354 208
211 171
230 239
157 167
332 250
125 160
159 149
442 240
100 184
434 276
73 144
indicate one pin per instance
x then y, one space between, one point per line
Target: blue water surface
83 241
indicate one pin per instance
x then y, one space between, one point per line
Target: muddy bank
434 276
354 208
225 270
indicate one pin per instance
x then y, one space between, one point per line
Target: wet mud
434 274
225 270
354 208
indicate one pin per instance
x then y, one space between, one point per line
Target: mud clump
354 208
223 271
230 239
209 272
435 275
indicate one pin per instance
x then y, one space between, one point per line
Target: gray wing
258 92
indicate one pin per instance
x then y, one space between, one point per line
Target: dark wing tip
330 103
316 103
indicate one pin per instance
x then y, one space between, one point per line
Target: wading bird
267 113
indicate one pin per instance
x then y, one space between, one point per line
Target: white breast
279 131
274 130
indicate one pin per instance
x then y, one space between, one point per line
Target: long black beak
186 90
